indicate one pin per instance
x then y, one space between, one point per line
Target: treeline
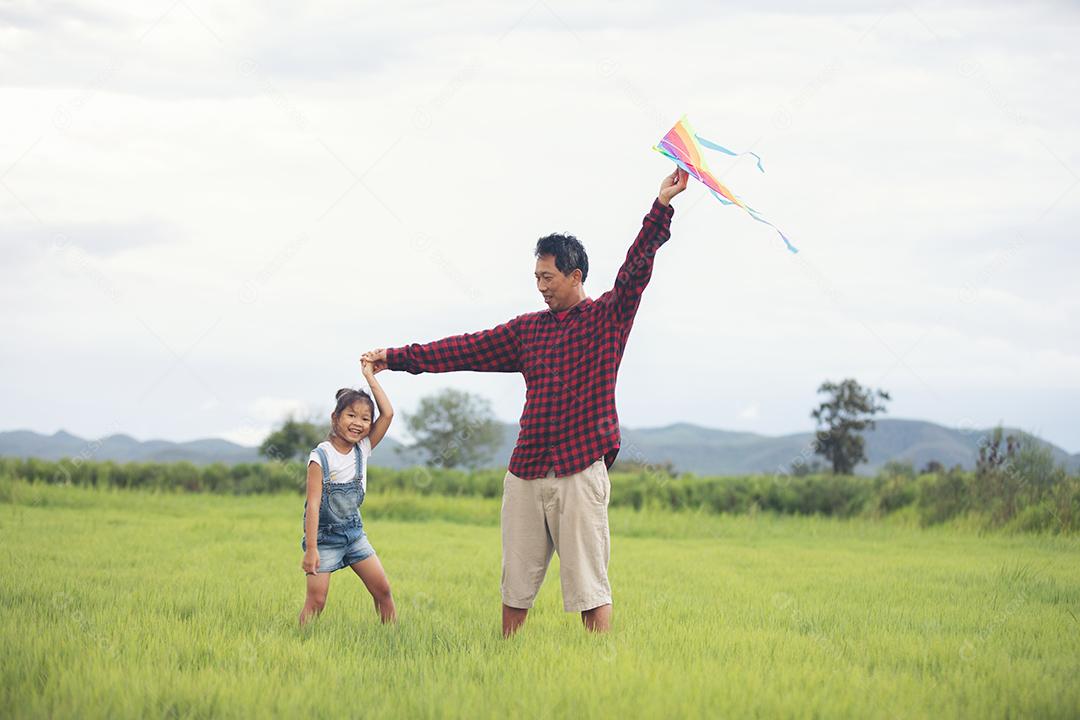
1037 496
239 479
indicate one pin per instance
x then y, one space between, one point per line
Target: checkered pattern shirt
570 361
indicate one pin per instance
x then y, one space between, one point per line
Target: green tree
932 466
293 440
1013 475
848 411
453 429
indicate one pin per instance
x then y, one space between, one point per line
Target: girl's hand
368 368
311 562
376 357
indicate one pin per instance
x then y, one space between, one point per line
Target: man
556 490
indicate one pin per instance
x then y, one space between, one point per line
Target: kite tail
783 237
720 148
720 197
754 214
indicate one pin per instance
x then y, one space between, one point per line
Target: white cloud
276 409
206 175
250 435
751 412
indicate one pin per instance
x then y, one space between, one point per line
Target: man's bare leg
512 619
598 619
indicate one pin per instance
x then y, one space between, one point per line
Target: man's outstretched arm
494 350
636 270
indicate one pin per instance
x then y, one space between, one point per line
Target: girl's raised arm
386 410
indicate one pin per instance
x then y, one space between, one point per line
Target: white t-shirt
343 467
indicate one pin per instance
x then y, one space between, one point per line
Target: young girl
336 483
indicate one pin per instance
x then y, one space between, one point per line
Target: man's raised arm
494 350
636 270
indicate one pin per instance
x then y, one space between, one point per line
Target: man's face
560 291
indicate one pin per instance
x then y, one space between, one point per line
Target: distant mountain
708 451
705 451
122 448
688 447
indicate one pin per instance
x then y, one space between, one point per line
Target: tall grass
138 604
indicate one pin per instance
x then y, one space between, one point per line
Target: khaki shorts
567 515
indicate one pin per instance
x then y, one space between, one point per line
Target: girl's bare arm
386 410
311 520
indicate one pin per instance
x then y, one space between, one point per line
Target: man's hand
672 185
377 358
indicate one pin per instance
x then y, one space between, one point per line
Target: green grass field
125 604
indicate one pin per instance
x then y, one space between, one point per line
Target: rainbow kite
683 145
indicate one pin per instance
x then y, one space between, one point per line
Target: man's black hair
568 251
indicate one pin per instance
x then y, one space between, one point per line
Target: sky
208 211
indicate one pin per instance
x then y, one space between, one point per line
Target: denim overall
341 539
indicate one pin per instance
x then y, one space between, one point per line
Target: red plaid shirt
570 361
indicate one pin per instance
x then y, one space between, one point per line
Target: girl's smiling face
354 422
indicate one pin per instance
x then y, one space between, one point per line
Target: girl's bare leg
371 572
317 587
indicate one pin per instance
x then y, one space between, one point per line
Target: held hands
672 185
310 565
374 358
